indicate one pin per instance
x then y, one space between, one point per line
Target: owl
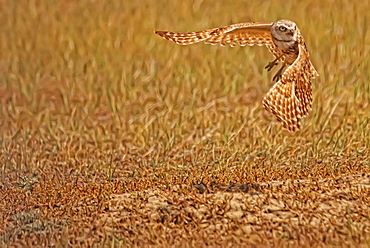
290 98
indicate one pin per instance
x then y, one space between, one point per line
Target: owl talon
271 65
276 77
278 74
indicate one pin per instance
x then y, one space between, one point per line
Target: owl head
284 30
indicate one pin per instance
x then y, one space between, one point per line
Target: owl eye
281 28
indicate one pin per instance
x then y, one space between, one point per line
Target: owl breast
289 48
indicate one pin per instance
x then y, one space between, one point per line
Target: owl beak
290 32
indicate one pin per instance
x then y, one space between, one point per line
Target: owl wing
290 99
250 33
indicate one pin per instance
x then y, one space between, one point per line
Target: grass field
110 134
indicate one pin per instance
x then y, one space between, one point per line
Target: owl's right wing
250 33
290 99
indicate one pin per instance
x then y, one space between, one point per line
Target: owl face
284 30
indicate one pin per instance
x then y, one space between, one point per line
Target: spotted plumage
290 98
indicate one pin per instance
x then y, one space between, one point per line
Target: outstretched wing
290 99
250 33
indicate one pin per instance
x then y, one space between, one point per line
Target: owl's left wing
290 99
250 33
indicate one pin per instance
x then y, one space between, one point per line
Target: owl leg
279 73
272 64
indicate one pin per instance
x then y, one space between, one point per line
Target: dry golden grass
106 128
